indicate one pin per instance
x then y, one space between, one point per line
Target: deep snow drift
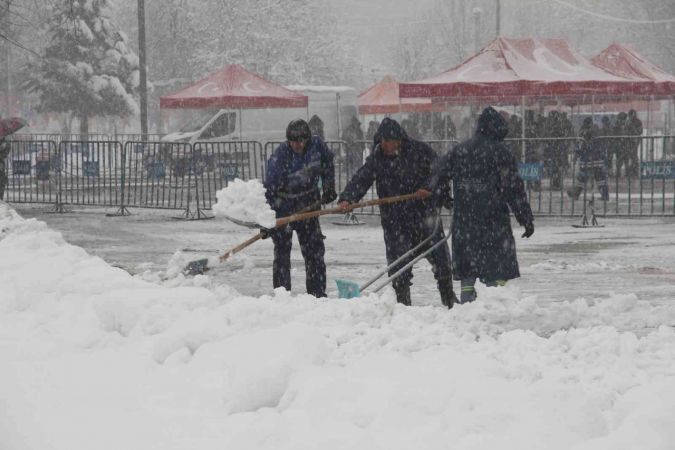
91 357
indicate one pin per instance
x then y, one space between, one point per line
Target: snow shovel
201 265
349 289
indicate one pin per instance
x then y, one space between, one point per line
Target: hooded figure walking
292 185
486 185
399 165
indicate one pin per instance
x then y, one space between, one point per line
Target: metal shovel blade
197 267
348 289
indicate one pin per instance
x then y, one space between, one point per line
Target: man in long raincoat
292 185
486 185
400 165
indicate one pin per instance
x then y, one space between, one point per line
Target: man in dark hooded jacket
400 165
486 185
292 185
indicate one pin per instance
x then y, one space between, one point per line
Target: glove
265 232
529 230
329 195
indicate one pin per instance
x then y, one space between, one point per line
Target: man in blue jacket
295 171
400 165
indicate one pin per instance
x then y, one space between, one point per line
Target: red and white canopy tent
527 71
511 70
624 61
234 87
383 98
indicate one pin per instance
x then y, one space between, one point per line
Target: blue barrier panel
230 171
530 171
90 168
156 170
21 167
657 169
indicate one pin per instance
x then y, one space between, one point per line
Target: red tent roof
234 87
622 60
382 98
523 67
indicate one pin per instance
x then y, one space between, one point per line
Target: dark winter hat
588 122
491 124
391 131
298 130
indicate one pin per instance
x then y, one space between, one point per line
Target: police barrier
568 180
158 175
218 163
179 176
32 170
90 172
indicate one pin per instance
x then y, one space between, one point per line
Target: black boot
403 295
448 297
468 293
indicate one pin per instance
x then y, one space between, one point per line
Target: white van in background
333 104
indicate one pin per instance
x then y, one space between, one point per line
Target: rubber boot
448 297
403 295
468 293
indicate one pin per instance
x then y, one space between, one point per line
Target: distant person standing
4 152
353 138
592 158
633 128
605 138
621 143
316 127
373 125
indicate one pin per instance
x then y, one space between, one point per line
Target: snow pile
93 357
245 201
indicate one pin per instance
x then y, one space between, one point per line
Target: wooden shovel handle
240 247
308 215
322 212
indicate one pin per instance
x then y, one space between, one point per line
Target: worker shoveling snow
244 202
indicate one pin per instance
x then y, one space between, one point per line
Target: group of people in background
548 141
478 179
610 149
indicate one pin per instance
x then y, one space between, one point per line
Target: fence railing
636 178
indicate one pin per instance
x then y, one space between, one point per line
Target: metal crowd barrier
158 175
150 174
218 163
32 171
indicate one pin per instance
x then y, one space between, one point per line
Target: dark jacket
590 152
292 180
486 185
404 173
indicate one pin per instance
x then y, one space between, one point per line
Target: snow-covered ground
577 354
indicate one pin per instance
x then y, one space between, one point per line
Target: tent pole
339 123
240 125
307 110
522 127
